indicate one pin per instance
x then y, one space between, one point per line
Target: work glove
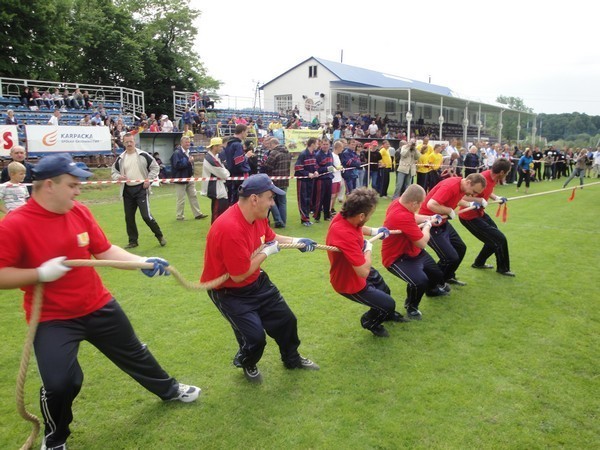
436 219
159 267
376 231
451 214
503 200
367 246
270 248
309 244
52 270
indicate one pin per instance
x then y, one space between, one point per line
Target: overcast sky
548 56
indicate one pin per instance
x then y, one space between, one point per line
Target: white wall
298 84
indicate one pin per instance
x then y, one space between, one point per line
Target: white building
317 87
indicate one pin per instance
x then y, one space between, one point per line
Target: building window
283 103
363 103
343 101
427 111
312 71
390 107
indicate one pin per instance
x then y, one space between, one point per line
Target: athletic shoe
131 245
279 225
508 273
456 282
201 216
483 266
396 317
307 224
379 331
180 218
252 374
413 313
328 219
58 447
307 364
162 241
186 393
236 359
437 292
446 287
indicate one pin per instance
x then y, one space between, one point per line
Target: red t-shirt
447 193
489 188
397 217
230 243
349 239
31 235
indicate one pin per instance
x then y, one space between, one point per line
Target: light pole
441 121
409 117
500 126
479 126
465 124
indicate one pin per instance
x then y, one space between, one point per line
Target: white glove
52 270
436 219
427 223
451 214
270 248
483 202
368 247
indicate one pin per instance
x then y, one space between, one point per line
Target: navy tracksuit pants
305 193
495 243
421 274
375 295
449 247
253 310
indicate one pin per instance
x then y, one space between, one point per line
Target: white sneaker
186 393
59 447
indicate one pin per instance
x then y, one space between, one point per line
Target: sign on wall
71 139
9 137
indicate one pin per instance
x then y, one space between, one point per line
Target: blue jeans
403 180
279 209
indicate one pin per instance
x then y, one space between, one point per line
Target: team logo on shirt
83 239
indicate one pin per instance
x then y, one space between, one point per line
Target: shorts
335 188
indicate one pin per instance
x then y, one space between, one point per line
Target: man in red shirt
351 272
481 225
404 254
248 299
445 241
35 240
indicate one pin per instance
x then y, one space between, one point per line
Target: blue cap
58 164
257 184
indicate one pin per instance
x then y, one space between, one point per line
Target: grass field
501 363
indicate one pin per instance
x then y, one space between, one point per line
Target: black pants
495 243
217 207
232 190
322 198
56 346
523 175
135 197
449 247
375 295
304 188
384 177
421 274
253 310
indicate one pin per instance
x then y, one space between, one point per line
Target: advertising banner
42 139
9 137
294 138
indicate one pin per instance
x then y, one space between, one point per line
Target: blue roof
351 76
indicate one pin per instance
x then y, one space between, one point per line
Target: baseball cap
58 164
215 141
257 184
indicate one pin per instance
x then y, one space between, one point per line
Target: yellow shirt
424 159
435 160
386 159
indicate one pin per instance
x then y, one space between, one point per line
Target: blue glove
436 219
160 267
503 200
385 231
476 205
309 245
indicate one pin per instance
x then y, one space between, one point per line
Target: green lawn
501 363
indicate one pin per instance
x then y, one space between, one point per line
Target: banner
9 137
43 139
294 138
